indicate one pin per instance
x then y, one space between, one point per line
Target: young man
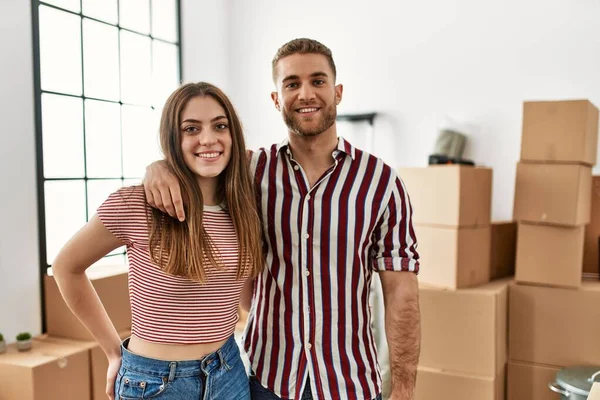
332 216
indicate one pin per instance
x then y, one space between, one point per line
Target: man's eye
319 82
292 85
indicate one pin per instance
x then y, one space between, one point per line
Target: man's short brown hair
303 46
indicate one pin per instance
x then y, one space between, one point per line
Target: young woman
185 278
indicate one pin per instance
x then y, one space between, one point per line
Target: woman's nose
208 138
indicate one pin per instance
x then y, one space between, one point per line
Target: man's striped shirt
310 315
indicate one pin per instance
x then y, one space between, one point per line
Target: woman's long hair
185 248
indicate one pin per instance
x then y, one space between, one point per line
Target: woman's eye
191 129
221 126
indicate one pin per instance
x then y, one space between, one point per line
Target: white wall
205 41
418 61
19 251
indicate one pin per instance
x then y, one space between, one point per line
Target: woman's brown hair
185 248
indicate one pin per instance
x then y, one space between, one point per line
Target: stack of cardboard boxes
451 215
463 342
66 363
463 314
550 328
553 190
553 314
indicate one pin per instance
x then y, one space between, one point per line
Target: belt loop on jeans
173 367
222 360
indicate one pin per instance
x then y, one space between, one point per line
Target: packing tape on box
62 362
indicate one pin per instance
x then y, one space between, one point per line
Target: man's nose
306 93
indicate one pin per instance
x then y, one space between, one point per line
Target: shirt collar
343 147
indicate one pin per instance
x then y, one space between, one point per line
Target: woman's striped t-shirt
167 308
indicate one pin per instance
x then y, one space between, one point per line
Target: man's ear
339 89
275 98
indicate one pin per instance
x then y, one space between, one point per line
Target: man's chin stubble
294 127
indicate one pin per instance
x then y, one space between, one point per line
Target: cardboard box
98 361
530 381
49 371
554 326
591 250
549 255
99 366
450 195
110 284
503 249
455 258
553 194
465 330
435 384
560 131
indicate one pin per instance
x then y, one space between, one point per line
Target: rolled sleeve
395 242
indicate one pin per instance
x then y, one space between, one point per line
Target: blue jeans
217 376
259 392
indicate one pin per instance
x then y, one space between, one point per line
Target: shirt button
306 236
309 346
307 273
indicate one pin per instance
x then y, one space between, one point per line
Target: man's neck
314 153
315 150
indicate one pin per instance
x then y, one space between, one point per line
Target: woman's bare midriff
172 352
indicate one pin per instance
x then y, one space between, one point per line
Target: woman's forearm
82 299
88 245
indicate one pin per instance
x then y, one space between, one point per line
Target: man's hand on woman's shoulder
162 190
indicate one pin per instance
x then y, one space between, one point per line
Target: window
103 70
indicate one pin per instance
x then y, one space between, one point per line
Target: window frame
38 92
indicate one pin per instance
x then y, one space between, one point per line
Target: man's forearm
403 330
